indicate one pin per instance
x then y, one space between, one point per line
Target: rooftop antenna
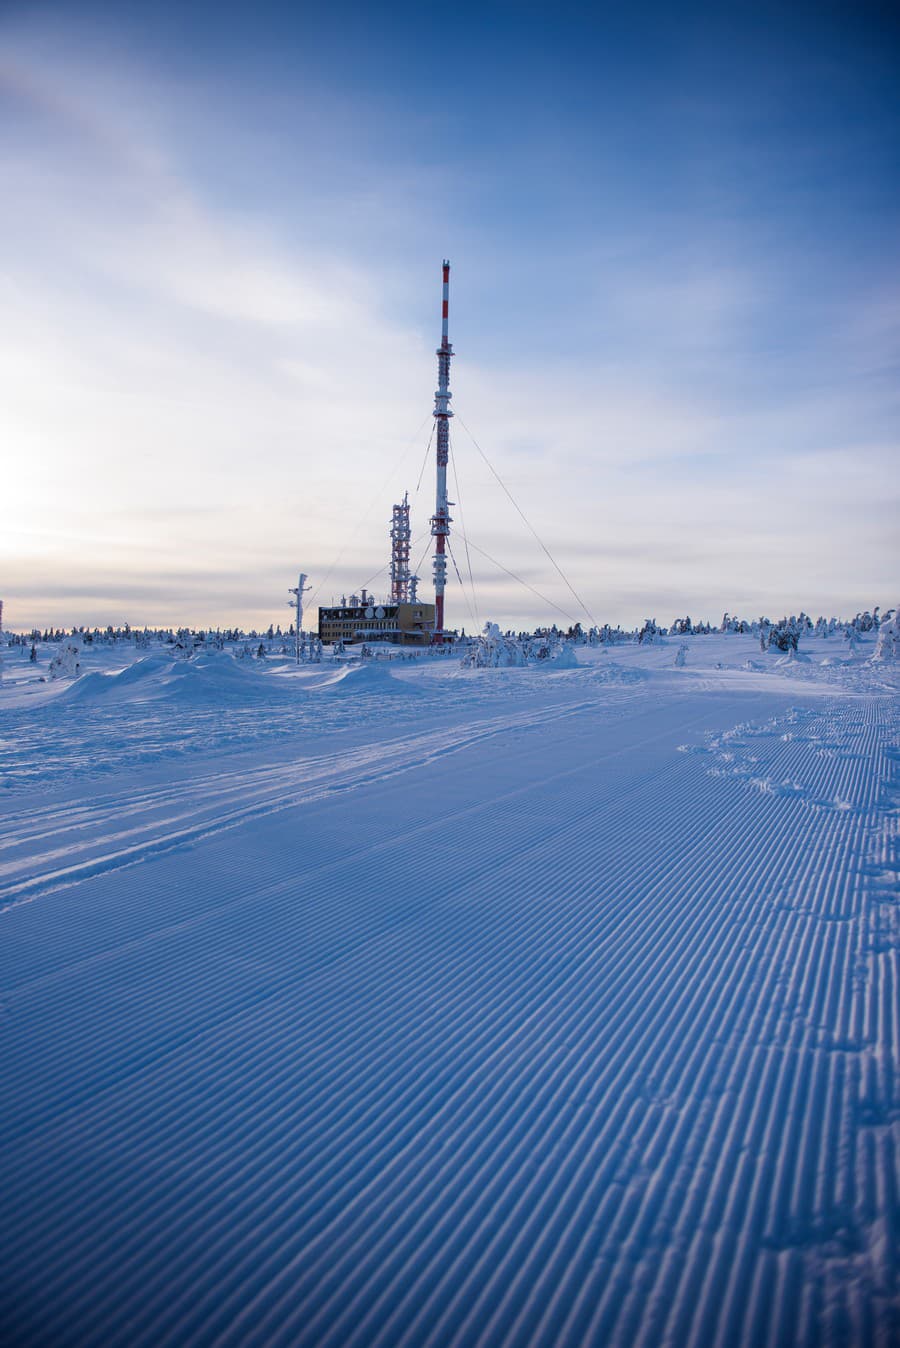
440 523
297 603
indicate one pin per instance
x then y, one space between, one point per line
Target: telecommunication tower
400 537
440 523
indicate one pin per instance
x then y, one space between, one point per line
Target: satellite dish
370 613
379 612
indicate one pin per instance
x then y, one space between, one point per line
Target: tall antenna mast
440 523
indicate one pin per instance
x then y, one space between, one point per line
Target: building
362 618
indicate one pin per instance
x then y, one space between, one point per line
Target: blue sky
675 301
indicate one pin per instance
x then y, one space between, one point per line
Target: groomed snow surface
403 1004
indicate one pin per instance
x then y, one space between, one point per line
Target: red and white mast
440 523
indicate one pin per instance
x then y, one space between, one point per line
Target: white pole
298 622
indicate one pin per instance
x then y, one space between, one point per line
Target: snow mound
613 673
212 676
144 675
371 676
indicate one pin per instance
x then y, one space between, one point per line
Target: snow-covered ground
402 1003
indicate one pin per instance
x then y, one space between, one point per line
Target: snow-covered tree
66 664
184 643
785 635
649 632
606 635
887 647
493 650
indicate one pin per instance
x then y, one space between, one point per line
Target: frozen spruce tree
785 635
67 663
492 650
564 656
887 647
183 646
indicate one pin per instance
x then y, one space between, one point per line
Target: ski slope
404 1004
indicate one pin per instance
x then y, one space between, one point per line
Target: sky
674 233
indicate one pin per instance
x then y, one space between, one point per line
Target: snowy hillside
402 1003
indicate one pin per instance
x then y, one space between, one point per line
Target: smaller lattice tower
400 536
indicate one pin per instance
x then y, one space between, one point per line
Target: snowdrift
369 677
614 673
212 676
